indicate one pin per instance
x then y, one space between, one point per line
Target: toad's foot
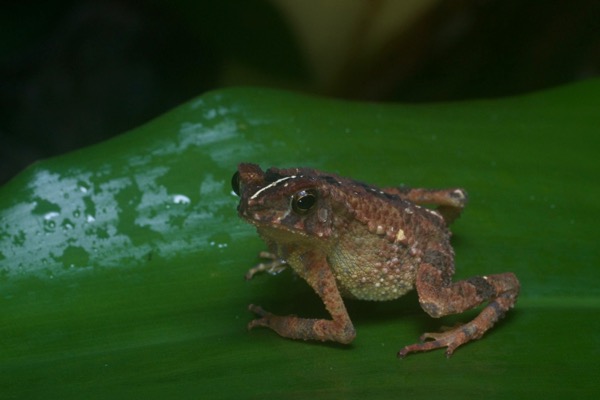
264 316
277 323
274 266
450 339
302 328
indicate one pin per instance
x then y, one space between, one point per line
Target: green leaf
121 265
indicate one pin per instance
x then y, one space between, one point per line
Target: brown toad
350 239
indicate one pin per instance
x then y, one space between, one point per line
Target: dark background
74 73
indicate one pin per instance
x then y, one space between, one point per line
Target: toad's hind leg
449 202
439 296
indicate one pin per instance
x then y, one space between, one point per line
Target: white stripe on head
277 182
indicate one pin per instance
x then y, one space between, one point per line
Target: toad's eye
304 201
235 183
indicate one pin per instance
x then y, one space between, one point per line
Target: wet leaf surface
122 264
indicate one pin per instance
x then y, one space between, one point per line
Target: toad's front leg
316 272
439 296
274 266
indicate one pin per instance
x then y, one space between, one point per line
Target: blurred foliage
73 73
